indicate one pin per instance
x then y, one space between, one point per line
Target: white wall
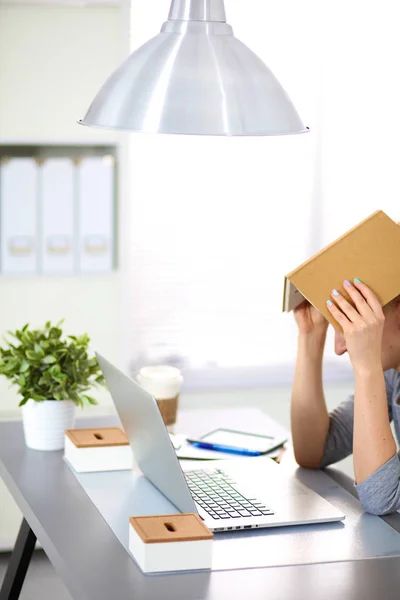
52 62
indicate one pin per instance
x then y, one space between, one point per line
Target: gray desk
95 566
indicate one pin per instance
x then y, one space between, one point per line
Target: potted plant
53 375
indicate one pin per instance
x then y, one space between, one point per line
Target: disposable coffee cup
164 383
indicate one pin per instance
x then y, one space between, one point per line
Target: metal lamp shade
195 78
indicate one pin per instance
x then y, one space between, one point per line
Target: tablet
241 440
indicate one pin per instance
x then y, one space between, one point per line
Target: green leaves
32 355
39 350
10 365
46 367
90 399
49 359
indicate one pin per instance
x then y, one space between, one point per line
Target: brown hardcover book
369 251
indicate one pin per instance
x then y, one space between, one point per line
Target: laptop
244 493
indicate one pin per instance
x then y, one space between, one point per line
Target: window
217 223
361 118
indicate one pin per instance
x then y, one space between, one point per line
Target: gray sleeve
339 441
380 493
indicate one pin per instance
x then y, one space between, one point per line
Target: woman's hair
393 303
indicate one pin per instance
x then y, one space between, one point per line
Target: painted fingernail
335 293
329 302
357 280
347 282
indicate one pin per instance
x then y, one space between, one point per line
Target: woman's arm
373 442
339 441
308 413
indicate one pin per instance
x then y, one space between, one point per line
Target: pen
222 448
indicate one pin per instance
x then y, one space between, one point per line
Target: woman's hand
362 324
309 319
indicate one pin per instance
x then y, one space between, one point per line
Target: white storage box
162 543
103 449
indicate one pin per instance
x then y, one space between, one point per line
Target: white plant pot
44 423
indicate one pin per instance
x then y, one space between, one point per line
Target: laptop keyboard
216 494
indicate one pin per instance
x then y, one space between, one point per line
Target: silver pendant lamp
196 78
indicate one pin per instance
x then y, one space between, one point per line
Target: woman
361 424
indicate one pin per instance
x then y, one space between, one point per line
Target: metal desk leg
19 563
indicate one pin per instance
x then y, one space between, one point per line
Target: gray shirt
380 493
